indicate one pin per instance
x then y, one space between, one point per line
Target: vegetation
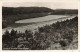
9 20
11 14
63 32
24 10
64 12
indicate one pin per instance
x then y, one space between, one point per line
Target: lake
38 22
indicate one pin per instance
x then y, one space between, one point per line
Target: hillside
10 14
24 10
57 36
65 11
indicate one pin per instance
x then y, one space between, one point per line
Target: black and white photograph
40 25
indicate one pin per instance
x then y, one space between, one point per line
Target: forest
29 10
24 10
12 14
64 11
64 33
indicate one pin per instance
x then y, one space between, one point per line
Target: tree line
24 10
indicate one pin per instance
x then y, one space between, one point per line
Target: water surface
38 22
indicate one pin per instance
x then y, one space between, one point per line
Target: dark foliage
24 10
65 11
60 32
10 14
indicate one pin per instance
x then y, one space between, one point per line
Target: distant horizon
46 7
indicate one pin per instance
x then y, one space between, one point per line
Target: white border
36 50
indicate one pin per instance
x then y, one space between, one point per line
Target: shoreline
33 26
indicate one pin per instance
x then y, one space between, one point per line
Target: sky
55 4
